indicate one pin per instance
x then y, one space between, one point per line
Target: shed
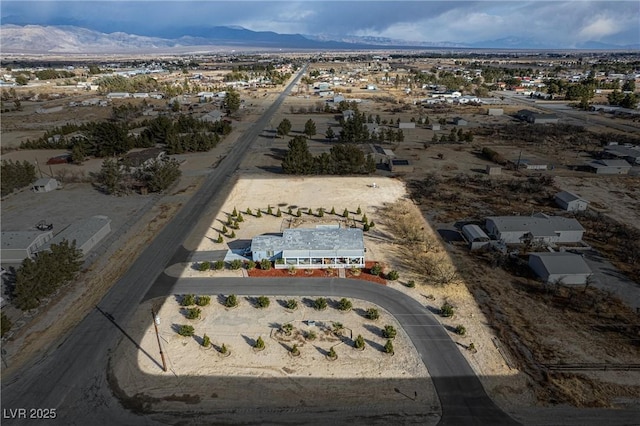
45 185
86 233
570 202
475 236
495 111
17 246
399 165
539 227
459 121
609 167
434 126
494 170
410 125
560 267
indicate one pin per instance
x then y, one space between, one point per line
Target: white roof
538 225
562 263
303 240
568 197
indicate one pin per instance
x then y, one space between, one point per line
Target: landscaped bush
193 313
411 283
332 353
259 213
218 265
287 328
345 213
359 342
376 269
265 264
224 349
292 304
388 347
203 300
446 310
393 275
345 304
259 343
311 335
263 302
231 301
461 330
219 240
204 266
188 300
294 350
250 265
206 341
186 330
389 332
236 264
320 303
372 314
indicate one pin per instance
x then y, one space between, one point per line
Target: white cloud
599 28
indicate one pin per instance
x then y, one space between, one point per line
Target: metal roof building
312 248
19 245
87 233
570 201
560 267
539 227
609 167
475 236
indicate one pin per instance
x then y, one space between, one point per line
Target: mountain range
71 39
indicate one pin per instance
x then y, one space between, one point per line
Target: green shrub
188 300
320 303
345 213
269 210
359 342
263 302
365 220
376 269
461 330
294 350
389 332
186 330
259 343
235 212
224 229
359 211
193 313
204 266
206 341
371 224
411 283
203 300
344 304
223 349
236 264
240 218
333 210
393 275
258 213
289 211
332 353
292 304
311 335
287 328
218 265
299 213
446 310
5 324
219 240
372 314
250 265
278 213
231 301
388 347
248 211
265 264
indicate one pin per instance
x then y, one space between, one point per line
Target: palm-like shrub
262 302
446 310
332 353
345 213
218 265
345 304
359 342
287 328
258 213
376 269
388 347
337 328
294 350
372 314
393 275
236 264
265 264
250 265
292 304
389 332
224 349
204 266
311 335
461 330
320 303
259 343
206 341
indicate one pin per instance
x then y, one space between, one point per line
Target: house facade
537 228
312 248
560 268
20 245
570 202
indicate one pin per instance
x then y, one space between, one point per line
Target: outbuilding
537 228
609 167
570 202
45 185
475 236
560 268
495 111
400 165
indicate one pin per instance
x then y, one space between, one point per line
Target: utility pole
156 321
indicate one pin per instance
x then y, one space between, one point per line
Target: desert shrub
344 304
231 301
259 343
292 304
263 302
411 283
206 341
393 275
250 265
193 313
332 353
287 328
461 330
188 300
359 342
311 335
388 347
446 310
389 332
320 303
204 266
186 330
236 264
258 213
265 264
376 269
218 265
372 314
203 300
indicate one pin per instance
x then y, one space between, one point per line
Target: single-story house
539 227
86 234
629 153
410 125
494 170
19 245
560 268
570 202
311 248
212 116
475 236
45 185
536 118
609 167
459 121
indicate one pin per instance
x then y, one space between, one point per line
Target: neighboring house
409 125
570 202
495 111
337 99
311 248
537 228
475 236
609 167
494 170
434 126
145 157
630 154
560 268
118 95
19 245
459 121
45 185
86 234
212 116
536 118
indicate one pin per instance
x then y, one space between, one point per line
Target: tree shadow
222 299
450 328
361 312
374 345
323 352
251 342
308 302
373 329
433 309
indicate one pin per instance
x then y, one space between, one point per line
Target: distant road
72 377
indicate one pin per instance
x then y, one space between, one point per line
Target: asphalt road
72 376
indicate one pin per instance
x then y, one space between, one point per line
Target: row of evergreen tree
342 159
15 175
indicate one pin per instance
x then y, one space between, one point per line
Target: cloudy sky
555 23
